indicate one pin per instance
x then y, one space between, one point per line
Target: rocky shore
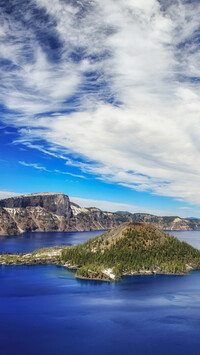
49 256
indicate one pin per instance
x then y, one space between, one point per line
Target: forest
139 248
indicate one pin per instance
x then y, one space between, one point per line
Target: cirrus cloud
114 84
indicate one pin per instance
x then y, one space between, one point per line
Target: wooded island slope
129 249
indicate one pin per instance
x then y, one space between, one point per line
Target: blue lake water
27 242
191 237
44 310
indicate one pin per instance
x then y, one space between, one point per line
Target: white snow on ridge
77 210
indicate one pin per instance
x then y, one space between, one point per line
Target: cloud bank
110 86
7 194
117 206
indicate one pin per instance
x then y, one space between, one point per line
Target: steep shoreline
51 212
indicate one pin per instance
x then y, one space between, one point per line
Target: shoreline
85 230
51 256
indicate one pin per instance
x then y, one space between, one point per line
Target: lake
191 237
27 242
45 310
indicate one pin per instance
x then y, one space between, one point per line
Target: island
129 249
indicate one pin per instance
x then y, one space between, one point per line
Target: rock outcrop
55 212
168 222
7 224
50 212
56 203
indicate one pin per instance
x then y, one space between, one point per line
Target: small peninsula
129 249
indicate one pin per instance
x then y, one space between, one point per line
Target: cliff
55 212
50 212
7 224
56 203
168 222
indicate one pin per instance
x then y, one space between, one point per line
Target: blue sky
99 99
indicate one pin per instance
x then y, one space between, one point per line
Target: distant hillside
130 249
192 218
55 212
168 222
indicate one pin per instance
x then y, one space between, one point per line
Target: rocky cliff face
50 212
36 212
55 212
93 219
167 222
7 224
56 203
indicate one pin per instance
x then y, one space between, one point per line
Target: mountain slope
38 212
7 224
56 203
132 248
51 212
129 249
55 212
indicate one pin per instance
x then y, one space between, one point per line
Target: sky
100 100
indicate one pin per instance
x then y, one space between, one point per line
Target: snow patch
109 273
12 211
77 210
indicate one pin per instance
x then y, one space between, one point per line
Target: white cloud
34 165
113 206
71 174
117 206
7 194
144 58
185 208
40 167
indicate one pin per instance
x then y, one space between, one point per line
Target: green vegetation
92 272
137 248
40 256
132 248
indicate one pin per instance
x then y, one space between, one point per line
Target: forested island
129 249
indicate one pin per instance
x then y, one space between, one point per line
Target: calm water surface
44 310
27 242
191 237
